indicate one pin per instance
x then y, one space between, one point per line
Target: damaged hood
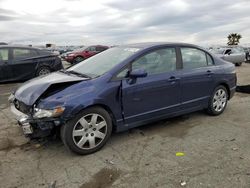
30 91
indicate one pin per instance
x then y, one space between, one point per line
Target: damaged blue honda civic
121 88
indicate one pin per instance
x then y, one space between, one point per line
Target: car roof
96 46
155 44
18 46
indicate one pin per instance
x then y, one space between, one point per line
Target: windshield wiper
77 73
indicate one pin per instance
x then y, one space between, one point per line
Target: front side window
156 62
91 48
123 73
19 54
4 54
193 58
228 51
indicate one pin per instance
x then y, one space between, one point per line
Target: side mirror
138 73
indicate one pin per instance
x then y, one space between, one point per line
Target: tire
238 64
88 131
43 71
78 59
218 101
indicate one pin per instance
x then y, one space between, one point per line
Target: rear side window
4 54
19 54
194 58
100 49
43 52
158 61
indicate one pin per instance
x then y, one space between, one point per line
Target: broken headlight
43 113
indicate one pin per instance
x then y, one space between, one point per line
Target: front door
158 93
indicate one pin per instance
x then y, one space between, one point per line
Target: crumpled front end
37 122
32 127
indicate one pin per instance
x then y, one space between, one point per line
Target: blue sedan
121 88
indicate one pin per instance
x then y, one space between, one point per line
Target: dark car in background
23 63
121 88
83 53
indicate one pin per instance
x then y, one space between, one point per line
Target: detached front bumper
34 128
23 119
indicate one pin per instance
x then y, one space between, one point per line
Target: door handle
173 79
209 72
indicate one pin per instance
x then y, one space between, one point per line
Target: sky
85 22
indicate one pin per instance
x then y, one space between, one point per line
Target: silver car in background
234 55
247 51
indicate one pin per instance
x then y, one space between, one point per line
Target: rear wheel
43 71
218 101
88 131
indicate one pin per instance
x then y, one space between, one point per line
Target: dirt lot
216 152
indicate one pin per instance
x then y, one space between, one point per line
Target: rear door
197 77
24 62
5 69
155 95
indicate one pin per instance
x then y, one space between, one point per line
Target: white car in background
234 55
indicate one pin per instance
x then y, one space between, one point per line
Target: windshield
80 49
103 62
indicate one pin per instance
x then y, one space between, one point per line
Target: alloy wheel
89 131
79 59
44 71
219 100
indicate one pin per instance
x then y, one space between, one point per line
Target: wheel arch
105 107
227 88
79 56
41 65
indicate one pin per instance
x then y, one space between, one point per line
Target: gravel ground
216 152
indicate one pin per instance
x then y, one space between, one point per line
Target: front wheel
238 64
88 131
218 101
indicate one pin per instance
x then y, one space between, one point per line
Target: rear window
218 50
